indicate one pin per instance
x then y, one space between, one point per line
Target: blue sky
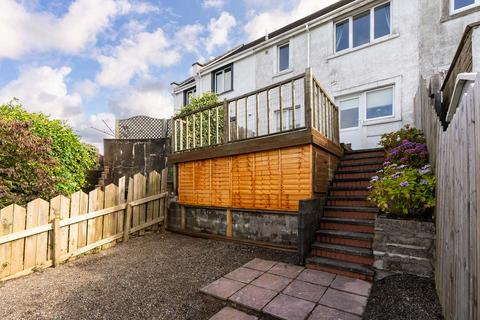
85 61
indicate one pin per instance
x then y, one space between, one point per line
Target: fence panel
47 233
455 153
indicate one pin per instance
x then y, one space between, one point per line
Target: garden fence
456 155
48 233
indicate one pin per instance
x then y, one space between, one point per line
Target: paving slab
260 264
344 301
289 308
253 297
286 270
272 282
325 313
305 290
222 288
229 313
356 286
245 275
317 277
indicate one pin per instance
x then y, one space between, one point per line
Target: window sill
222 93
459 14
367 45
384 120
281 73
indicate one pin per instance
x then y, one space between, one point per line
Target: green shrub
26 164
403 190
73 157
394 139
205 100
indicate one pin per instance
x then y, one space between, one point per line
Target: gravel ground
156 276
403 297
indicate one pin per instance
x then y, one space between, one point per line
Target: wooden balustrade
293 104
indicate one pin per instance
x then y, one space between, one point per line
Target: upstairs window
460 5
283 57
363 28
188 94
223 80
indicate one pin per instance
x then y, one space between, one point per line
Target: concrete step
362 159
349 191
346 224
342 252
348 238
349 269
364 155
349 213
349 201
351 182
354 174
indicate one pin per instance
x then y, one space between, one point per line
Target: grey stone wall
277 228
403 246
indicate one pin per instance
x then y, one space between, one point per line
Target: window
223 80
188 94
361 29
283 57
349 113
380 103
460 5
341 35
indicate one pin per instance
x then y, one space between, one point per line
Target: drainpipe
308 44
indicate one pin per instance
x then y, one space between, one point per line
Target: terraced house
345 74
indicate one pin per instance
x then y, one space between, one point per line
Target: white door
360 111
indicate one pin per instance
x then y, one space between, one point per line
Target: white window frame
283 44
351 97
453 10
191 91
366 120
372 28
222 72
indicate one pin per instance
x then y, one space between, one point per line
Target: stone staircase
344 241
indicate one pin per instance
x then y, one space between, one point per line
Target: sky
93 61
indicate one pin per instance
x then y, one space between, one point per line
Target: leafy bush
394 139
73 157
26 164
403 190
409 153
205 100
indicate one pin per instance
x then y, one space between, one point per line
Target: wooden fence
456 154
47 233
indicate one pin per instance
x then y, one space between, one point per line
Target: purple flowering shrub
403 190
409 153
392 140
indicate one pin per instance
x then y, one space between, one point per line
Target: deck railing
297 103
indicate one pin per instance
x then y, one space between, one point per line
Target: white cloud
276 17
86 88
23 31
134 56
217 4
189 38
43 89
151 101
220 30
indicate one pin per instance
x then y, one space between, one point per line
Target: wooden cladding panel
271 180
324 166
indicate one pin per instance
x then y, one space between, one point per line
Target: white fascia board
457 92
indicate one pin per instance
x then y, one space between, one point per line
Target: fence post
56 238
164 201
226 129
308 97
126 223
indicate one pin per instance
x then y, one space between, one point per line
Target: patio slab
244 275
272 282
325 313
286 270
289 308
222 288
344 301
289 292
260 264
356 286
253 297
317 277
304 290
229 313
